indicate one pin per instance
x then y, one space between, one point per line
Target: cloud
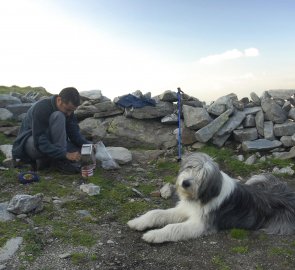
251 52
229 55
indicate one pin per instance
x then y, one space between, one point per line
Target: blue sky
209 48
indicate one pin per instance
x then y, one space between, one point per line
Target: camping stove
88 155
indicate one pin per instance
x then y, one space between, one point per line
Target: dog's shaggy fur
211 201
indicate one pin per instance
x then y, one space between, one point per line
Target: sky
208 48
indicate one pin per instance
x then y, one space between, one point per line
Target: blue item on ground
28 177
135 102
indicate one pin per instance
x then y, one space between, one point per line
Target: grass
5 140
146 189
220 263
53 186
239 234
171 167
225 157
116 202
282 251
240 249
74 234
78 258
11 229
132 209
22 90
33 245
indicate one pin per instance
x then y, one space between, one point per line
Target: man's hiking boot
66 167
43 163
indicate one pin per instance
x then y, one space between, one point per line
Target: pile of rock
262 123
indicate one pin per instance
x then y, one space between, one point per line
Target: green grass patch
5 140
131 209
239 234
2 157
76 235
54 186
79 258
225 157
152 175
240 249
170 179
10 229
220 263
33 245
112 201
281 251
23 90
262 236
172 167
146 189
9 177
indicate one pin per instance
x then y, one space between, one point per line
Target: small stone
64 255
21 216
111 242
251 160
240 158
287 170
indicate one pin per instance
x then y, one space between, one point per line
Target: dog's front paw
153 236
137 224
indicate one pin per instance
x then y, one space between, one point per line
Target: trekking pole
179 123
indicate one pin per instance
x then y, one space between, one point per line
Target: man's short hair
70 94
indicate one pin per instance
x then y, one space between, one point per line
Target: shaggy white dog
211 201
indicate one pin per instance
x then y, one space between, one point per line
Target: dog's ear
210 186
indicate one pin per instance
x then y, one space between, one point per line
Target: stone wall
258 124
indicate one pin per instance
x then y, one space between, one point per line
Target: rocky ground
118 247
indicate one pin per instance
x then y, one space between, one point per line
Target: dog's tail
267 182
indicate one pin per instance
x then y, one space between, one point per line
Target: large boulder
195 118
161 109
260 145
107 108
246 134
5 114
18 109
285 129
132 133
234 121
206 133
6 100
273 111
222 104
93 129
91 94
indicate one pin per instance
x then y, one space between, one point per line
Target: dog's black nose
186 183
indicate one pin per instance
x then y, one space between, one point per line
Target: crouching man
50 134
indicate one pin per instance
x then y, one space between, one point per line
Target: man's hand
74 156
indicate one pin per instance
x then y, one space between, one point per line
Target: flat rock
10 248
260 144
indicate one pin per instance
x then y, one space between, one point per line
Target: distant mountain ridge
23 90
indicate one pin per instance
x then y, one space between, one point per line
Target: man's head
68 100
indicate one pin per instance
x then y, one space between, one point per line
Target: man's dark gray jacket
36 123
